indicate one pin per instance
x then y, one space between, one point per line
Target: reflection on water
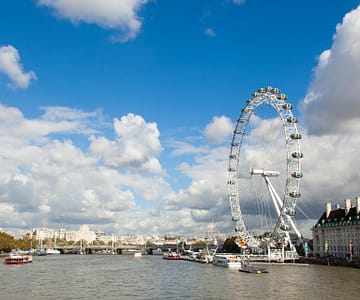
150 277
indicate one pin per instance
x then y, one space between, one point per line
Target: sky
119 114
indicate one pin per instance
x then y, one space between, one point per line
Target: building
41 234
83 234
337 232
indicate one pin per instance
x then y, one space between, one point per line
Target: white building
83 234
44 233
337 232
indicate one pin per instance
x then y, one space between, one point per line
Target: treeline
8 243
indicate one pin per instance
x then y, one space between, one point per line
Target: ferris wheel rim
273 97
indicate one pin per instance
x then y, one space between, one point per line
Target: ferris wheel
284 204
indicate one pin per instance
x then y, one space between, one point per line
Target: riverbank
331 261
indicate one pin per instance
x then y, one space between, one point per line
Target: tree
230 246
7 242
24 244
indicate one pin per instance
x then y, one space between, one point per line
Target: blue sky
118 114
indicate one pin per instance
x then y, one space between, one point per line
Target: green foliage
300 249
7 242
24 244
199 243
230 246
99 243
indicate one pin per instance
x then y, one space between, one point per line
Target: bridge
123 249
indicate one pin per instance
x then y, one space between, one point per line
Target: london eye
283 165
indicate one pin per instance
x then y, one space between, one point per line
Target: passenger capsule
261 90
232 156
275 91
284 227
231 169
237 131
296 136
255 94
297 155
294 194
297 174
234 144
248 101
231 182
282 97
290 212
287 106
292 120
268 88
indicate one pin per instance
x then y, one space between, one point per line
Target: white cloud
50 182
237 2
119 15
23 131
184 148
45 181
331 115
332 101
210 32
11 67
219 129
136 147
54 183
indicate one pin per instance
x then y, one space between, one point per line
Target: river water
110 277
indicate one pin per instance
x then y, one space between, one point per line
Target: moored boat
253 269
171 256
228 260
137 254
201 257
52 251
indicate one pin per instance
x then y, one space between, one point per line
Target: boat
253 269
247 268
137 254
171 256
37 252
52 251
17 259
201 256
228 260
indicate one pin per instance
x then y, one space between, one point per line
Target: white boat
171 256
137 254
18 258
201 256
51 251
228 260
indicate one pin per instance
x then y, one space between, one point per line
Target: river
111 277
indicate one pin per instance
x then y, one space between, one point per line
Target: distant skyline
119 114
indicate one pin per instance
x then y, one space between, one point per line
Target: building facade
337 232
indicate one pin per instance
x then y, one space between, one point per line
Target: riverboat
171 256
17 259
228 260
52 251
201 256
137 254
